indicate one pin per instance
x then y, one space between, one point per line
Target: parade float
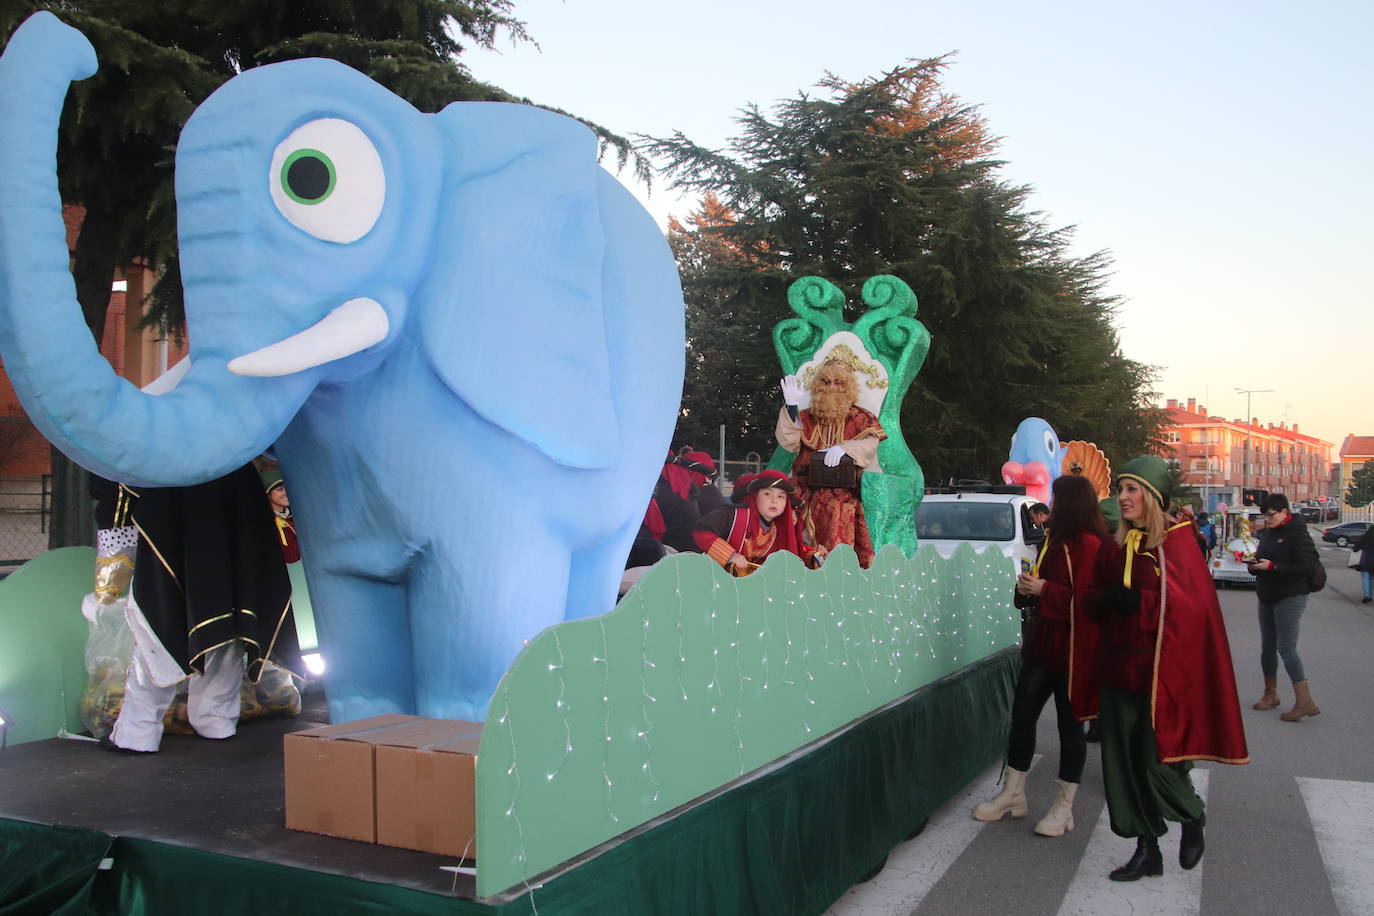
1236 544
431 319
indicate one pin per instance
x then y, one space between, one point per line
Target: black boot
107 744
1191 845
1146 863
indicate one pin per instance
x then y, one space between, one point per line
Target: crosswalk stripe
914 867
1175 892
1342 815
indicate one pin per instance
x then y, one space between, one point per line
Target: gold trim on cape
158 553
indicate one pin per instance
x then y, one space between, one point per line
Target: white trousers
212 700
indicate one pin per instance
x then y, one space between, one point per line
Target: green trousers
1142 793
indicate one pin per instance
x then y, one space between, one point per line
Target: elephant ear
511 312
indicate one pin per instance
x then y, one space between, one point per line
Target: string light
646 698
739 687
561 705
681 639
787 631
606 722
899 625
514 773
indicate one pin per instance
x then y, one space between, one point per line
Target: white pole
720 472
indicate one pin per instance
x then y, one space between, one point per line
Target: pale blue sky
1219 150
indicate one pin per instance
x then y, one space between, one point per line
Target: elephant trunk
70 392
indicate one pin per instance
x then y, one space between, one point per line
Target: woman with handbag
1365 547
1167 688
1283 567
1056 655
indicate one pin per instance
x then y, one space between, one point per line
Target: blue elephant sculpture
1036 459
460 336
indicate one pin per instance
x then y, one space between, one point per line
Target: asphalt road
1290 833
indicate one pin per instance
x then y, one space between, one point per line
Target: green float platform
199 827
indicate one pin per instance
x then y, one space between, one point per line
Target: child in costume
281 510
741 538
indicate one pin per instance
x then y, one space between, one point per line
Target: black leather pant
1033 688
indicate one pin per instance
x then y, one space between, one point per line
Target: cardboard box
331 776
425 787
396 780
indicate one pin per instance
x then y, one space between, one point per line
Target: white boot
1059 819
1011 799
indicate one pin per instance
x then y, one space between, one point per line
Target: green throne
886 348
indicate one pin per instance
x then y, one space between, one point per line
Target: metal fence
25 512
1364 514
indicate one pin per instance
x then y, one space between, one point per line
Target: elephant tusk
353 326
169 379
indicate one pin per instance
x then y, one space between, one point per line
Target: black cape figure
210 572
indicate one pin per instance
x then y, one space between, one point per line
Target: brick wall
23 450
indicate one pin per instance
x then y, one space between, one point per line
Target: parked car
982 519
1310 514
1346 533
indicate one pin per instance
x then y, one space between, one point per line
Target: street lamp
1245 463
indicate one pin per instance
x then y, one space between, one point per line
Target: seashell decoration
1087 460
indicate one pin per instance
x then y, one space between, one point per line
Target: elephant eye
308 176
327 179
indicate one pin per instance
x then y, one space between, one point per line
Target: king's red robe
833 515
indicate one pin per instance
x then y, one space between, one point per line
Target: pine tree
1360 491
158 62
892 175
722 339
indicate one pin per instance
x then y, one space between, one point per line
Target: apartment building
1219 457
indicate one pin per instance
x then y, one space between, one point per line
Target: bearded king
833 431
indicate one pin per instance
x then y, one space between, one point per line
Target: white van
993 517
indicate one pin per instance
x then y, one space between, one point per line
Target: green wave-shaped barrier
696 679
43 643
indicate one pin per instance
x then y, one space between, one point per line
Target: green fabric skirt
1142 793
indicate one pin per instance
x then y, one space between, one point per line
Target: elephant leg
365 643
470 615
594 580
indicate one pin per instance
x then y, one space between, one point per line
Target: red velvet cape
1193 701
1068 572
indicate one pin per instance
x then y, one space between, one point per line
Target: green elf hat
1111 512
271 479
1151 473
